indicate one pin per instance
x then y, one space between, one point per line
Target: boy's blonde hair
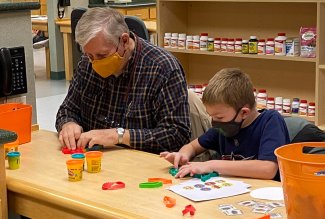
230 86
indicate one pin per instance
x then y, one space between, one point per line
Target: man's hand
69 134
176 158
106 137
195 168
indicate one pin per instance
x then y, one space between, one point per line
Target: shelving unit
288 77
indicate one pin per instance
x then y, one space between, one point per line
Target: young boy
245 138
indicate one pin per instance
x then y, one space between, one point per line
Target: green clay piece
150 185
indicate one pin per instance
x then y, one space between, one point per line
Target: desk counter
40 188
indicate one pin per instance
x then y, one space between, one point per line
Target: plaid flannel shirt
149 98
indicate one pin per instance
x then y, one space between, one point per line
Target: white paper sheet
268 193
214 188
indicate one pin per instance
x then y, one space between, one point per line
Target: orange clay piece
163 180
169 202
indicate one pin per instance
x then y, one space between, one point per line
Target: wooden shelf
321 66
238 55
283 76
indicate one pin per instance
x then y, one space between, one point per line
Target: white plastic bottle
269 46
204 41
167 40
189 42
174 41
196 42
280 44
261 99
278 104
181 41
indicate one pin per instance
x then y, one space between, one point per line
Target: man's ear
125 38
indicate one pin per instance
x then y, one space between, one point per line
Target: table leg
68 62
48 63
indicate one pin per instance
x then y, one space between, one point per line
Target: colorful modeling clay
150 185
66 150
113 185
189 208
169 202
163 180
204 177
96 147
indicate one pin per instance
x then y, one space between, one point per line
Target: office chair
135 24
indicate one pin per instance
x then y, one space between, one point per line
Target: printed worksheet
216 187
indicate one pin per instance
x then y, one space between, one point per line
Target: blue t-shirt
256 141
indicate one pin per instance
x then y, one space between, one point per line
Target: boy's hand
194 168
176 158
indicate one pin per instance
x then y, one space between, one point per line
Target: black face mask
228 129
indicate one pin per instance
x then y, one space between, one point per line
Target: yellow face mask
108 66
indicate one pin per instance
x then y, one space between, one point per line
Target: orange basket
303 180
17 117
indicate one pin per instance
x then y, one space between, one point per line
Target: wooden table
40 23
40 188
65 29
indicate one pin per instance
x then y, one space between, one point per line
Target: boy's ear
245 112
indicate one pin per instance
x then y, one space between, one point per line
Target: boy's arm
260 169
192 149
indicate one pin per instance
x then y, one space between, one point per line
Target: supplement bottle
252 45
278 104
231 45
270 103
244 47
167 40
280 44
269 46
196 42
210 44
224 42
303 108
204 41
174 41
286 106
311 109
217 44
238 44
261 99
295 106
181 41
189 42
261 47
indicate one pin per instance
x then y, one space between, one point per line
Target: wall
16 31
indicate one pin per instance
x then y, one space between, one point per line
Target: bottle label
260 102
189 44
203 44
286 108
196 45
278 107
279 47
303 110
217 47
173 43
167 42
181 43
261 49
244 48
311 111
230 48
270 105
295 107
269 50
223 47
252 47
238 48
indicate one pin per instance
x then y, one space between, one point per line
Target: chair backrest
135 24
76 14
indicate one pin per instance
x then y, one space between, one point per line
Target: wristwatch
120 133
